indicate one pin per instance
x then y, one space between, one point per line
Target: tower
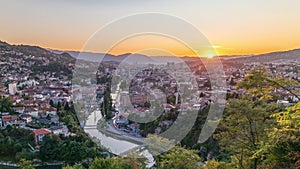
176 95
12 88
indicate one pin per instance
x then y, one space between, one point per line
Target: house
9 120
60 130
14 119
47 111
40 133
52 111
138 99
284 103
19 110
26 118
33 111
6 120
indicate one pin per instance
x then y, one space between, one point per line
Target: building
39 134
10 120
19 110
124 98
26 118
139 100
12 88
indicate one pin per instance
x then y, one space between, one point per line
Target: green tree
106 108
213 164
243 130
147 104
66 107
283 147
179 158
25 164
258 84
76 166
52 103
5 104
112 163
58 106
49 149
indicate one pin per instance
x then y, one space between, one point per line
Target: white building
12 88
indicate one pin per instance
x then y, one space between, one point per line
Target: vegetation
14 142
25 164
179 158
254 133
106 107
58 67
5 105
69 149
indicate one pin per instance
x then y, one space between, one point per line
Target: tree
49 148
5 104
147 105
58 106
106 108
179 158
232 82
25 164
259 85
283 148
243 130
26 97
76 166
112 163
66 107
213 164
52 103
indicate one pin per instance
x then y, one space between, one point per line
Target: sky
234 27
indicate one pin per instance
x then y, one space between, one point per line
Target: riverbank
111 131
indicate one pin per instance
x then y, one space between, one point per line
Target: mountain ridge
71 56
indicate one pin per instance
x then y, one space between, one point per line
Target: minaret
176 95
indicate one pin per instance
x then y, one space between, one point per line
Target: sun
210 55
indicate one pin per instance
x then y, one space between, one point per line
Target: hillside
37 51
25 60
286 56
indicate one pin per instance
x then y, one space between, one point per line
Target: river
115 145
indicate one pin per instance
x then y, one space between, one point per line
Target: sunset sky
234 27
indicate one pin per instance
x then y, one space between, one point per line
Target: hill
37 51
282 56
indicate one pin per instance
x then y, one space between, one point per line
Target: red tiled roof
42 131
18 108
6 118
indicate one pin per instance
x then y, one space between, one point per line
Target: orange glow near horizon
176 48
233 27
144 43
